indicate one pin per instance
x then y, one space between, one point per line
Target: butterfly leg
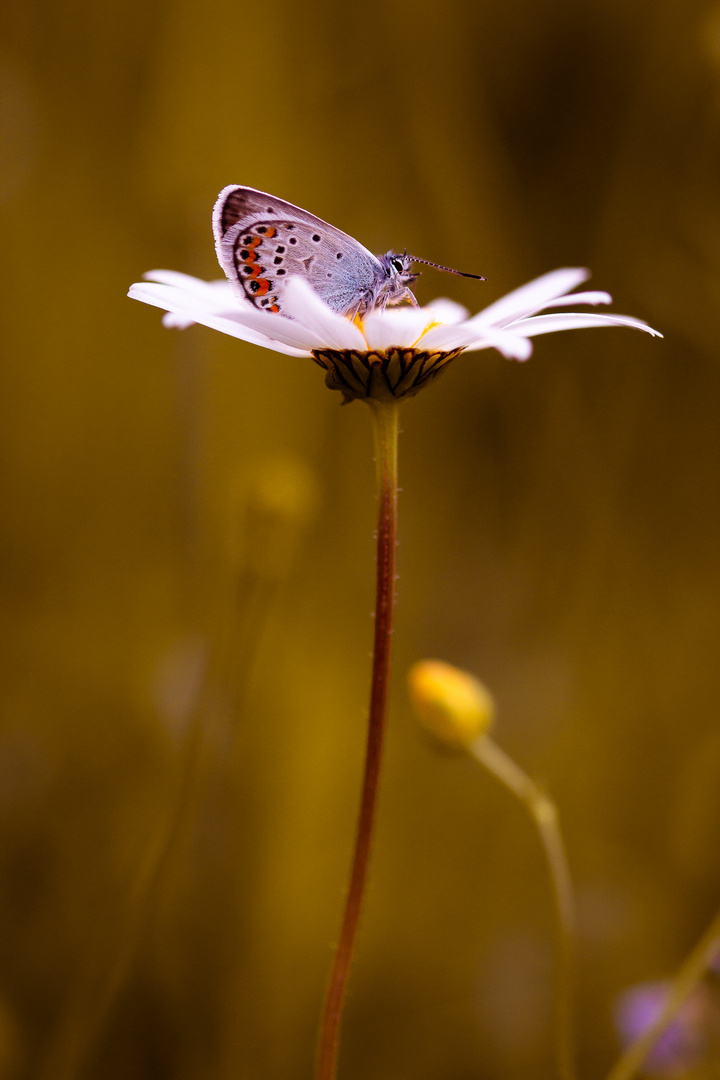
406 294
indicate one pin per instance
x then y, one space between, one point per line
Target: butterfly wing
262 241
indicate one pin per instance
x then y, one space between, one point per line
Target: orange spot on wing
264 286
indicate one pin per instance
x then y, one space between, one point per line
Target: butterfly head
400 277
398 280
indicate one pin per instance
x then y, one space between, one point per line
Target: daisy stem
687 978
545 815
385 417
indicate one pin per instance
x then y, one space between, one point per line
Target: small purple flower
714 957
684 1040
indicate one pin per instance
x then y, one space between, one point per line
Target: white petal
172 321
314 325
532 297
466 336
214 301
575 320
397 327
175 300
278 328
512 346
450 337
218 292
446 311
329 329
218 287
593 296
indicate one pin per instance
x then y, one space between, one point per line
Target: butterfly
262 241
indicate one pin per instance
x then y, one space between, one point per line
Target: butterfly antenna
447 269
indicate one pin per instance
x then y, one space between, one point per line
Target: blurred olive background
188 536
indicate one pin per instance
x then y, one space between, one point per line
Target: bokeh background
187 561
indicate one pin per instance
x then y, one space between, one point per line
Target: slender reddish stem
386 432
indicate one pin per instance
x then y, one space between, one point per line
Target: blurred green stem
385 417
238 633
90 1005
545 815
683 985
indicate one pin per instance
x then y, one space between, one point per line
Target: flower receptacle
382 376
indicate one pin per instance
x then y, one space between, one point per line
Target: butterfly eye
397 265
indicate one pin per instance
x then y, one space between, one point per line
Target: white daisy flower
391 353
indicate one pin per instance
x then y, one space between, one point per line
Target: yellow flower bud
452 705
